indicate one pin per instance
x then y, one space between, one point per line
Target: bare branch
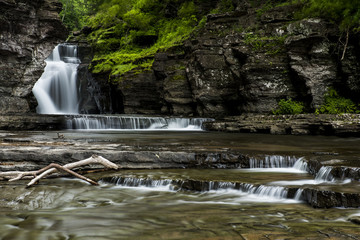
52 168
346 44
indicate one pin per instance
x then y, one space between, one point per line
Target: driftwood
53 167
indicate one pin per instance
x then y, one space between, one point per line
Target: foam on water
124 122
231 192
275 163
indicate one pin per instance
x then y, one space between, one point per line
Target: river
156 204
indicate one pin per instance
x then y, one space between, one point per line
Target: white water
56 91
91 122
245 192
323 176
277 163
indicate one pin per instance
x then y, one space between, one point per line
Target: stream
161 204
219 185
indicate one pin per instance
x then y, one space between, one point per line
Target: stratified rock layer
29 30
302 124
241 62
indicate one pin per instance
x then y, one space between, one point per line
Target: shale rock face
29 30
242 62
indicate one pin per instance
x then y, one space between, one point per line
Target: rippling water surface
71 209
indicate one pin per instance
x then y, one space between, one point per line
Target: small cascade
298 194
324 175
276 192
92 122
273 162
301 165
257 191
140 182
279 162
56 91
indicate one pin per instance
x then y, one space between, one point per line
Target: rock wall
29 30
243 61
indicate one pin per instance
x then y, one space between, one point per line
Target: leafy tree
76 12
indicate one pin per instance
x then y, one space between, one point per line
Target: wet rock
169 68
311 59
302 124
62 151
140 93
242 63
329 199
355 219
31 122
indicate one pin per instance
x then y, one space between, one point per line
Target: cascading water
324 175
92 122
279 163
245 191
56 91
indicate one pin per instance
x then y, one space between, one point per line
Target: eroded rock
29 31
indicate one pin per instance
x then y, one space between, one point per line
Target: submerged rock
355 219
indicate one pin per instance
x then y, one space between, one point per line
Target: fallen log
53 167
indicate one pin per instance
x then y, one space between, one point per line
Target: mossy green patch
127 34
270 44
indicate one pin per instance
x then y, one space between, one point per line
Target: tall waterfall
56 91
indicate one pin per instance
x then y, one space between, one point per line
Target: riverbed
138 203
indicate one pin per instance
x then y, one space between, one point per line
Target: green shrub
335 104
289 107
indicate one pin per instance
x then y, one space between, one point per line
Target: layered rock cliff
243 61
29 30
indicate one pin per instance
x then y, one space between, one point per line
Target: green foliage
346 13
187 10
76 12
264 8
270 44
289 107
335 104
127 32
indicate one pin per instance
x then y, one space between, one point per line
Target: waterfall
56 91
92 122
276 162
324 175
273 162
256 191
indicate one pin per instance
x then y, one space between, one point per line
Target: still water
71 209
